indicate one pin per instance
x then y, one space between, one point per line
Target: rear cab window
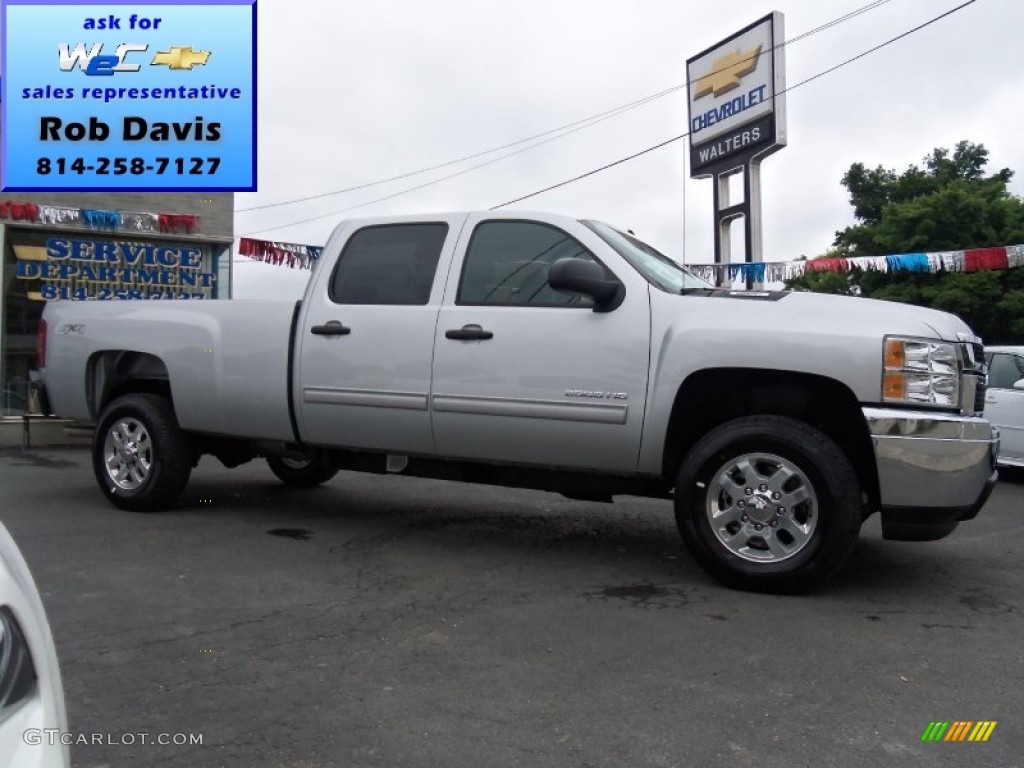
388 264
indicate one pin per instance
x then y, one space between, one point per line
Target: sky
352 93
374 90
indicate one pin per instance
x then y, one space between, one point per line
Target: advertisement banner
128 96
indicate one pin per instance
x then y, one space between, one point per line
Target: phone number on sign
136 166
56 292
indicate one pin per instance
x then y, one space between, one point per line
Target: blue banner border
3 96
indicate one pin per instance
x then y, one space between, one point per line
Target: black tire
795 549
141 458
312 471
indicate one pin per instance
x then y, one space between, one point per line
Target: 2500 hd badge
596 395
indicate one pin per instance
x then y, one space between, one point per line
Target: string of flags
970 260
299 256
292 255
111 221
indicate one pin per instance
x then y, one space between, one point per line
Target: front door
367 339
529 375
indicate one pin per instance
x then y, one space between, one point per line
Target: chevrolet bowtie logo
726 72
180 57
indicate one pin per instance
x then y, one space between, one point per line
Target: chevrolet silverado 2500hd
540 351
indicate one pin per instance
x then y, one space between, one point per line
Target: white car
1004 401
32 713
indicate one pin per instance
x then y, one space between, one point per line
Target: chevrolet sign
736 99
727 71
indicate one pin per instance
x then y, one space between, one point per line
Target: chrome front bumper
934 469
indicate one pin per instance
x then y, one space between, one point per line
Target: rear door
367 337
529 375
1004 405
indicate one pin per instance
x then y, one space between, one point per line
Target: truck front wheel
141 458
768 504
303 473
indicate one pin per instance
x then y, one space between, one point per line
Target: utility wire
401 192
665 143
836 21
568 128
621 160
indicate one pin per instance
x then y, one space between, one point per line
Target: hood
839 314
838 337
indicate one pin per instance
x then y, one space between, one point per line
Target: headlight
920 372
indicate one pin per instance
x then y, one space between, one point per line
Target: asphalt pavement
390 621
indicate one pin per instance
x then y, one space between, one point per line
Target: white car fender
40 707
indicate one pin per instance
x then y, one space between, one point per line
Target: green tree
947 203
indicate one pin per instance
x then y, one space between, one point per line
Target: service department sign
737 98
80 269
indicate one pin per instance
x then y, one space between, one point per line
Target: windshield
658 268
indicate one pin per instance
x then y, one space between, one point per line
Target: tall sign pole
737 108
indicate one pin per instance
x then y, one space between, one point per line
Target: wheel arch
113 373
714 396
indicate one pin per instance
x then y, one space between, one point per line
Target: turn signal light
894 385
895 354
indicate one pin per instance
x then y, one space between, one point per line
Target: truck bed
227 361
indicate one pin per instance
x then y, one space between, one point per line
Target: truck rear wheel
768 504
303 473
141 458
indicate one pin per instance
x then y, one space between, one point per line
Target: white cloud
256 280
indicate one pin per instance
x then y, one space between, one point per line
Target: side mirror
1019 384
588 278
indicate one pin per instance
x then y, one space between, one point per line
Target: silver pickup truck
540 351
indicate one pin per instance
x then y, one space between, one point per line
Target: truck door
526 374
367 337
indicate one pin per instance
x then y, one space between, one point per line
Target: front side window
507 264
1004 370
390 264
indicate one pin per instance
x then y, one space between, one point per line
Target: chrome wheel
294 463
762 507
306 471
128 453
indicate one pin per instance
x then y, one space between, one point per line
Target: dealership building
100 246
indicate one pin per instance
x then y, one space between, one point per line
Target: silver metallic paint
504 398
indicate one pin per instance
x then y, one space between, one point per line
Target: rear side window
507 264
1004 370
390 264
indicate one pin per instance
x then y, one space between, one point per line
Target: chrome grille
975 374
